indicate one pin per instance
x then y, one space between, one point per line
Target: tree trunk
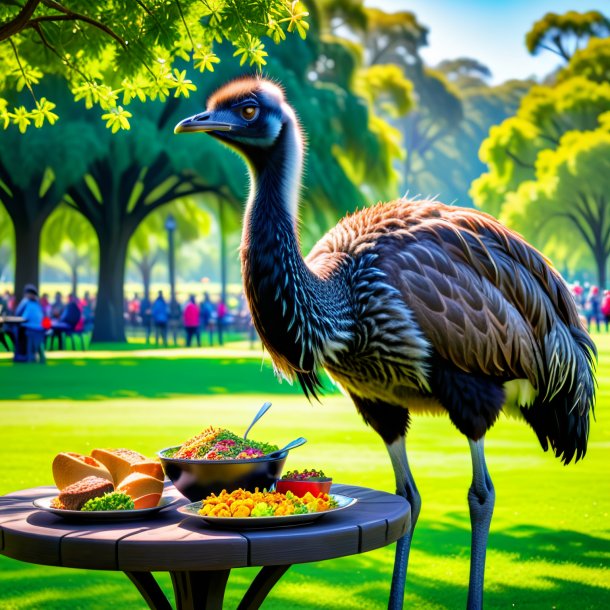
27 256
74 279
223 250
601 262
109 321
146 270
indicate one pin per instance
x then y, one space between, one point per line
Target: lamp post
170 226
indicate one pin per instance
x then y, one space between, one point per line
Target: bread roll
136 485
149 467
147 501
69 467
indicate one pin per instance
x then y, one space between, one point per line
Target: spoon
260 413
291 445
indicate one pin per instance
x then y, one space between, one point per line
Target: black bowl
197 479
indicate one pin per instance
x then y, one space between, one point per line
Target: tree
451 164
35 169
146 244
544 116
570 194
6 243
133 176
110 52
67 239
563 34
592 62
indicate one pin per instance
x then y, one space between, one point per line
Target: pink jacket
191 315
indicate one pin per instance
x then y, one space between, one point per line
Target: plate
242 523
102 515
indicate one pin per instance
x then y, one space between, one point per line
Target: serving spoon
297 442
260 413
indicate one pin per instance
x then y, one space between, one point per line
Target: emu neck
287 300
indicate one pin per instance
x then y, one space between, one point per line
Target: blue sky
492 32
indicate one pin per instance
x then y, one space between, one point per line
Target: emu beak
201 122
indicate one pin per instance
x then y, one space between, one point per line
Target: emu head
248 114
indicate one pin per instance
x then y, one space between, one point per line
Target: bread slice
76 495
118 461
137 485
69 467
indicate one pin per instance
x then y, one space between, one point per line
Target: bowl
196 479
300 487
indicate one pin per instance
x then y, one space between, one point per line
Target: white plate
192 510
102 515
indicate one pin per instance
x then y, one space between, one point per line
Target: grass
549 545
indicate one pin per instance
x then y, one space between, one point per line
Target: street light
170 227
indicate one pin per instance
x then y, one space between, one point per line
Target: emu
410 306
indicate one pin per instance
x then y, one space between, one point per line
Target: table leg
149 590
259 589
199 590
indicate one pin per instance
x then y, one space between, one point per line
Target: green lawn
549 545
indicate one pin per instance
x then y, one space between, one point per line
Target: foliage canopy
114 51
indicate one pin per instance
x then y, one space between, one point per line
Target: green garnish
262 509
110 501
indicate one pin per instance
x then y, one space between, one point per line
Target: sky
492 32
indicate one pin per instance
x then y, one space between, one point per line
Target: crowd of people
43 317
165 316
593 304
159 318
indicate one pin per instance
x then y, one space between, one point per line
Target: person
206 309
191 320
70 320
145 316
605 308
133 308
30 309
57 306
86 307
592 307
45 304
160 316
221 313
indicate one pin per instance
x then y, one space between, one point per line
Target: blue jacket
32 312
160 311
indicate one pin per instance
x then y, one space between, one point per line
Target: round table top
171 541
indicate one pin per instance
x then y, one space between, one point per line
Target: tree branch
69 15
20 21
518 161
25 78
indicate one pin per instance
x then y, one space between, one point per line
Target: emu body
411 306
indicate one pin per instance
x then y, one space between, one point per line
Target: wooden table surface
197 556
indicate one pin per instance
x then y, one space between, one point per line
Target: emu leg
405 486
481 499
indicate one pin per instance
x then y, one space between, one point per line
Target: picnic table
11 322
198 558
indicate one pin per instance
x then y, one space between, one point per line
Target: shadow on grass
129 377
571 563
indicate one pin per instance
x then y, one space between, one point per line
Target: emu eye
249 112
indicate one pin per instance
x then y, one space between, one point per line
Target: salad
219 444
